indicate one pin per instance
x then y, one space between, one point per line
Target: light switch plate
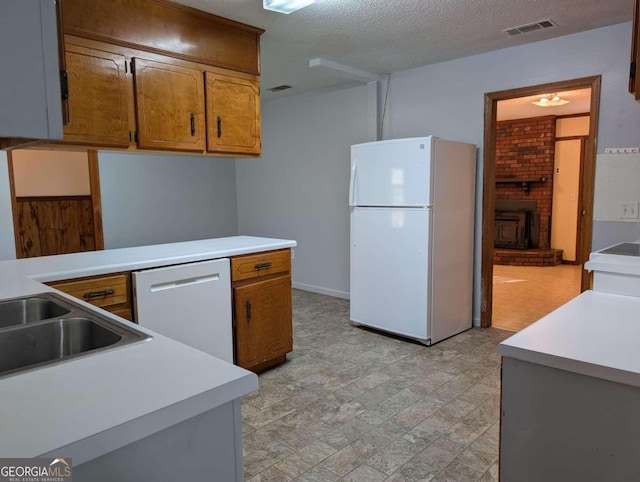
628 210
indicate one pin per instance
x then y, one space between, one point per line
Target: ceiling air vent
530 27
278 88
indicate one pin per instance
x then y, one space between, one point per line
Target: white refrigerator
412 235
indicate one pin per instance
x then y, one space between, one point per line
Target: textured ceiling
382 36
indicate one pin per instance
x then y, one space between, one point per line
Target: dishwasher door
190 303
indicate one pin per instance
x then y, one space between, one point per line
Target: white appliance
412 231
190 303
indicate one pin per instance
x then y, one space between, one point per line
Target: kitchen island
153 410
571 392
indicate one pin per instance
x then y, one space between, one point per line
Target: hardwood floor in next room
355 405
524 294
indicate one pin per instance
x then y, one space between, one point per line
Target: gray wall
447 99
7 242
153 198
298 190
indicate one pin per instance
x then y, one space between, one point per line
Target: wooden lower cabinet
111 292
263 321
263 318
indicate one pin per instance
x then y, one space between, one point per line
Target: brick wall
525 149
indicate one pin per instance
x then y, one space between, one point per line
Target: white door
190 303
566 192
389 269
391 173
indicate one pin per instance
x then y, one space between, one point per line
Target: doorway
584 197
55 199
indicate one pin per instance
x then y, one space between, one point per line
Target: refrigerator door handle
352 184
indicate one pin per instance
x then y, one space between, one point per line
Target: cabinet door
263 321
98 97
233 114
169 106
30 100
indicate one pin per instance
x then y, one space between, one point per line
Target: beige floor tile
364 473
353 404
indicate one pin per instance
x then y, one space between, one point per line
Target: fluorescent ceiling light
550 100
286 6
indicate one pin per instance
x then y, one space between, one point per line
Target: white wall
617 180
300 193
298 189
7 242
152 199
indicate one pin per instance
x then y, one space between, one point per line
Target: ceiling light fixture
550 100
286 6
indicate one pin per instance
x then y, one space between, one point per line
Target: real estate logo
35 470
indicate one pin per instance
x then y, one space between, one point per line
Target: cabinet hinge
632 70
64 85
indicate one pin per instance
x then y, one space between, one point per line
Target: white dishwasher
190 303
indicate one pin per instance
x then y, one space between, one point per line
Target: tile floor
355 405
524 294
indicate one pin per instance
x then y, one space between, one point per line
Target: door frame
96 201
585 223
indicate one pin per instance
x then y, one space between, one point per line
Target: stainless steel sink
68 331
27 310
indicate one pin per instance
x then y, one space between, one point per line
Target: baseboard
319 289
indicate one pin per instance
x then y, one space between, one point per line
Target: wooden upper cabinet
634 85
169 106
233 114
167 28
133 85
98 98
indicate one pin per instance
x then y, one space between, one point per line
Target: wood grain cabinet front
233 114
131 86
169 106
263 318
98 97
263 322
111 292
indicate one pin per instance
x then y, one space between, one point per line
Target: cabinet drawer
103 291
260 264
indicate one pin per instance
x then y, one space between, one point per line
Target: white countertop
613 263
595 334
94 404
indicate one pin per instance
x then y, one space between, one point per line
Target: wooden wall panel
54 225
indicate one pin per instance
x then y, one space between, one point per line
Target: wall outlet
628 210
